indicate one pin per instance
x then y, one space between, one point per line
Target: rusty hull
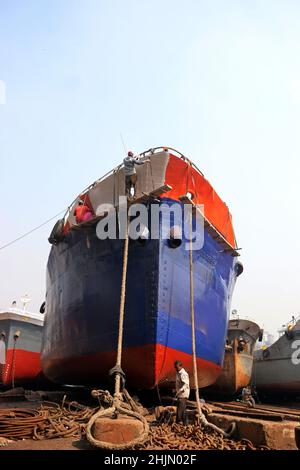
238 359
236 372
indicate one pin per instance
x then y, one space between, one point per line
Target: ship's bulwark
83 297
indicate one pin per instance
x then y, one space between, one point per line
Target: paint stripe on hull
27 366
152 364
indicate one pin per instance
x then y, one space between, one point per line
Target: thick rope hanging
32 230
121 313
117 405
202 418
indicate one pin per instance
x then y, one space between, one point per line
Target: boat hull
238 361
236 374
22 357
277 368
82 309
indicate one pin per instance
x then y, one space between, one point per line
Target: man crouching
182 392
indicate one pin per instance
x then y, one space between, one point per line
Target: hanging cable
201 416
32 230
117 405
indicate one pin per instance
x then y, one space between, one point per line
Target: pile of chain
47 422
191 437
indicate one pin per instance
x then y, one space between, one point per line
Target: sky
218 80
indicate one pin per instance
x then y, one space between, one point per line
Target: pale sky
219 80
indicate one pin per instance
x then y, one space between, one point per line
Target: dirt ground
69 443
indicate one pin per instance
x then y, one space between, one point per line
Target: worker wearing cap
130 172
182 392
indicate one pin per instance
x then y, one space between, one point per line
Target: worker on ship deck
182 392
82 212
130 172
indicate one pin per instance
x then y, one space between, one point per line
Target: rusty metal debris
47 422
192 437
52 420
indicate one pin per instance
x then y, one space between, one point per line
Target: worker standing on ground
182 392
130 172
247 397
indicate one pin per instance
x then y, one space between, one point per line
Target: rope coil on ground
113 446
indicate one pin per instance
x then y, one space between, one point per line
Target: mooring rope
121 313
202 418
117 405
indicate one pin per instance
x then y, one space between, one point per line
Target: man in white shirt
182 392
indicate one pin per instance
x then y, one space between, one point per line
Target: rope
112 446
117 406
202 418
121 313
31 231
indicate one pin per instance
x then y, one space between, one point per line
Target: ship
242 337
277 367
20 346
84 273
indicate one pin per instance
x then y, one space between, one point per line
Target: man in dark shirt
130 172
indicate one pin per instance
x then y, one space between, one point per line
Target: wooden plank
216 235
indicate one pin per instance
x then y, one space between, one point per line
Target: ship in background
242 337
84 281
277 367
20 346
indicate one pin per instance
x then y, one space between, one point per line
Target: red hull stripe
145 367
164 370
27 366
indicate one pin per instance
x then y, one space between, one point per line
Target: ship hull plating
238 361
277 368
82 309
21 364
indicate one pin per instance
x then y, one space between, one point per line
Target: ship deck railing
153 195
147 153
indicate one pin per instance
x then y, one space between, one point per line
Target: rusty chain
52 421
192 437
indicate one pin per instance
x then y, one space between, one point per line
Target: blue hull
83 296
